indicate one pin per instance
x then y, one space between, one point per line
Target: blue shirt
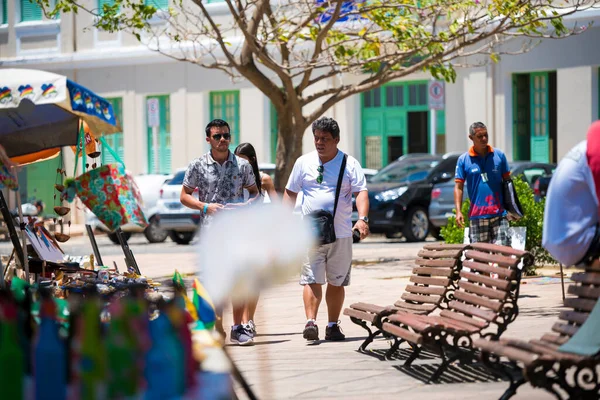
484 177
571 212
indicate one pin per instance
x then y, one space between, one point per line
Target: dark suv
399 194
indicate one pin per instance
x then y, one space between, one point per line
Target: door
395 147
418 141
521 117
164 139
540 121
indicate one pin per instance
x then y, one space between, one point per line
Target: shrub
533 221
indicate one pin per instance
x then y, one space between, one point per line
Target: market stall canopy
40 110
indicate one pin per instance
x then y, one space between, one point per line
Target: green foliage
533 221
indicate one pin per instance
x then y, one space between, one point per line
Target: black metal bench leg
370 337
413 356
445 363
393 348
512 389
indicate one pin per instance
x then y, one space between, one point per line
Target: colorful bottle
92 356
12 362
121 350
161 364
49 366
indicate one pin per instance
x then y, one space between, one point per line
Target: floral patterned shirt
218 183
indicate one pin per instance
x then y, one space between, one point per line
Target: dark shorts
489 230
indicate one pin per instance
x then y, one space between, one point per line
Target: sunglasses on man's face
320 170
218 136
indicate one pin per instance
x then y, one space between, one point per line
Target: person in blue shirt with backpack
484 169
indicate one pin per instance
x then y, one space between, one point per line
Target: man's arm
362 206
187 199
458 198
289 198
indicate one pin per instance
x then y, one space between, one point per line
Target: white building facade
536 105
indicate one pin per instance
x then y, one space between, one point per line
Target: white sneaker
251 328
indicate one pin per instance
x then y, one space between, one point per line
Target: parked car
442 195
400 193
540 187
149 186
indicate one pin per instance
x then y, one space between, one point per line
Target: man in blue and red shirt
483 168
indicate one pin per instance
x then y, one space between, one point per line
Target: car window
177 179
532 174
411 170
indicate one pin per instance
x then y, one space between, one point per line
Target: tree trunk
289 148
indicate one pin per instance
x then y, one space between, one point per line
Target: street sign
153 113
436 95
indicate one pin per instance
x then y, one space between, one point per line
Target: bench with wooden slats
539 361
433 278
485 302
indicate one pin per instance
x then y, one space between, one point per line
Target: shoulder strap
338 189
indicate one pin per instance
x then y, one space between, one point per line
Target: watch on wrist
366 219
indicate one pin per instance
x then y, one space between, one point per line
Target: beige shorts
329 263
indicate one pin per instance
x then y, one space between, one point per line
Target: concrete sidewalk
283 365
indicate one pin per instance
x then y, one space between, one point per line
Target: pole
155 149
562 281
432 130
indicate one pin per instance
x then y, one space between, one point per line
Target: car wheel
181 237
154 233
436 232
416 225
113 237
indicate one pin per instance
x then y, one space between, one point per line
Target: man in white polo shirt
316 175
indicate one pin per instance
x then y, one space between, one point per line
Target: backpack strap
338 189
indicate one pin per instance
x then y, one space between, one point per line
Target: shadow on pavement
456 373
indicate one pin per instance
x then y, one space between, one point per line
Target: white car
149 186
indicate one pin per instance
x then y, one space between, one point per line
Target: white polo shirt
322 196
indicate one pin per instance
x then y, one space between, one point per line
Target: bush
533 221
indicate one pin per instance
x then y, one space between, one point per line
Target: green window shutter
540 124
101 4
159 4
164 138
4 13
30 11
226 106
274 119
440 122
215 1
115 141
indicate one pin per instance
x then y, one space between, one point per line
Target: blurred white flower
246 250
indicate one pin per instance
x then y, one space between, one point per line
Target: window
159 4
394 96
30 11
115 141
417 94
372 98
226 106
4 12
159 152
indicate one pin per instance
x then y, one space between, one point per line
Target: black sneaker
241 336
311 331
334 333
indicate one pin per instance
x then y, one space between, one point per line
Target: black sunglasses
218 136
320 170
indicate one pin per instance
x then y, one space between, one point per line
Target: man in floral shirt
220 177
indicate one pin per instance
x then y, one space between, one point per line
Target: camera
355 236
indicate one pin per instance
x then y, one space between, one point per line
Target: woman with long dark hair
265 186
264 183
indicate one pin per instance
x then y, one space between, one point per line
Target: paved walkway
282 365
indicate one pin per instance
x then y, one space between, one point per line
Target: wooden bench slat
440 263
557 339
463 318
415 307
564 329
474 299
455 324
403 333
539 342
482 290
410 320
589 278
439 254
584 291
424 280
445 246
365 316
538 349
499 284
499 249
420 299
473 311
439 291
432 271
501 272
372 308
496 347
573 316
503 261
580 304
